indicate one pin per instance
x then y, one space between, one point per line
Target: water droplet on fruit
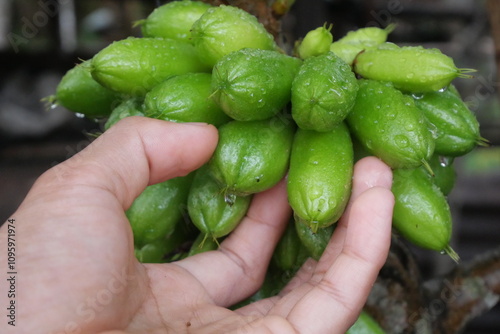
443 89
410 75
417 96
445 161
79 115
401 141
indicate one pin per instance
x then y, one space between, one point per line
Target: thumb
134 153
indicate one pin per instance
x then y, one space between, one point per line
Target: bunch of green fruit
309 115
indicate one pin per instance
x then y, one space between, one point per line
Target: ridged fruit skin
320 175
389 125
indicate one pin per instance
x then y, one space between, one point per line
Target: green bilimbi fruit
389 125
184 98
253 84
133 65
356 41
323 93
320 176
290 253
152 253
314 241
315 43
208 209
158 209
173 20
203 244
80 93
421 212
224 29
252 156
127 108
365 324
444 173
457 129
410 68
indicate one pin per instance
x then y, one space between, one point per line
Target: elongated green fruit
127 108
409 68
421 213
289 252
457 129
224 29
368 36
208 209
252 156
252 84
173 19
365 324
79 92
390 126
323 93
316 42
155 213
133 66
314 241
184 98
319 177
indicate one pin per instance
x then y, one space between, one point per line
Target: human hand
77 272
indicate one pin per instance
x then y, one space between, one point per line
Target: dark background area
40 41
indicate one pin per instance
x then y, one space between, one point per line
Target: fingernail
196 123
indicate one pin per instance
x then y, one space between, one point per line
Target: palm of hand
81 274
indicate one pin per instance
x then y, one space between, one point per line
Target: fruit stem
483 142
427 167
451 253
462 73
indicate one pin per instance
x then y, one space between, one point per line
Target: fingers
237 269
134 153
343 279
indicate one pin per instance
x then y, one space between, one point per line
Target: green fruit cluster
309 115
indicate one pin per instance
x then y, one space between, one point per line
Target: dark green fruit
133 66
208 209
323 93
410 68
290 253
184 98
127 108
421 212
79 92
390 126
252 84
252 156
203 244
157 210
314 241
224 29
319 177
444 173
173 19
457 129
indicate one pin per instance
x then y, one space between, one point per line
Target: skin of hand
77 273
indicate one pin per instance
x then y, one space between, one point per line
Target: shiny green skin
323 93
252 156
127 108
390 126
457 129
409 68
173 20
365 324
208 209
252 84
203 244
152 253
80 93
314 242
444 173
133 66
421 212
158 209
320 175
224 29
184 98
316 42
